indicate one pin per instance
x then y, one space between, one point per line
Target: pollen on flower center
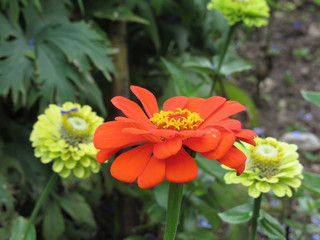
78 123
178 120
265 157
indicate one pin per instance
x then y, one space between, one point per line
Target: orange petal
186 134
129 165
104 154
247 136
209 105
181 168
175 102
193 103
147 99
234 158
132 110
228 108
240 169
109 135
153 174
167 148
143 133
164 133
226 142
206 143
231 124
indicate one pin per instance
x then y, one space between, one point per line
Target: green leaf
311 182
76 206
201 64
161 194
235 93
52 72
237 215
6 198
19 228
147 13
231 64
270 226
53 223
80 44
311 96
119 14
211 167
199 233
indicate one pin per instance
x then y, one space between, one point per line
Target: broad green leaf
211 167
53 223
19 228
237 215
6 198
270 226
231 64
76 206
201 64
235 93
200 233
161 194
147 13
119 14
311 182
185 82
311 96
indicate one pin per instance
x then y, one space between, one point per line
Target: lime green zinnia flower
64 135
271 165
250 12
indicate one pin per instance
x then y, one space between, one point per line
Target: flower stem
222 55
40 201
255 215
173 211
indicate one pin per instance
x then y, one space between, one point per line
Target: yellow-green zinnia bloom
250 12
63 135
271 165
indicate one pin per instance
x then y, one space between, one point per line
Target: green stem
40 201
222 55
256 211
173 211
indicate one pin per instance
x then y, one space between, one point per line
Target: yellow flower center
265 157
76 128
178 120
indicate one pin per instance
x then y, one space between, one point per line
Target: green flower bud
63 135
250 12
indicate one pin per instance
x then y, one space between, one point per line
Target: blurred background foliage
52 51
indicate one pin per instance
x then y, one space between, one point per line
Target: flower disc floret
271 165
250 12
165 142
63 135
177 120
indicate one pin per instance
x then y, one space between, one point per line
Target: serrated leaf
270 226
53 223
237 215
311 96
80 44
19 228
76 206
52 71
119 14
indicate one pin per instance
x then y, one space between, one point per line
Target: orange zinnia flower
166 139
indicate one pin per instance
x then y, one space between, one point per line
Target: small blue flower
31 43
315 237
308 116
297 24
203 223
259 131
297 133
315 221
63 112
